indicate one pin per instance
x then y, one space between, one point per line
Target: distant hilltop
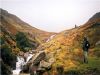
95 16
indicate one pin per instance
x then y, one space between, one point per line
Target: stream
20 63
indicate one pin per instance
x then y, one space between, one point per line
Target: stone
44 64
37 57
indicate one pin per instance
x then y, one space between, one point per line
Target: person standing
86 46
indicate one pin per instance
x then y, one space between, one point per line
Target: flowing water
51 37
20 63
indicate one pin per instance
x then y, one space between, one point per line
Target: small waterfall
51 37
20 63
29 57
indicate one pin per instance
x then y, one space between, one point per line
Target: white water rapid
20 63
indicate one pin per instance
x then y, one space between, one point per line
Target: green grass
92 68
94 62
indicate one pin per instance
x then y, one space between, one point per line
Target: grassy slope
66 48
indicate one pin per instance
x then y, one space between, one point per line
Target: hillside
63 50
95 16
66 49
12 22
11 25
16 37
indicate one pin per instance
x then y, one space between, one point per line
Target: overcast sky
52 15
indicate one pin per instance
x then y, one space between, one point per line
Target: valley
36 52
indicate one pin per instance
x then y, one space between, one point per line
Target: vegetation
65 48
92 68
96 51
12 41
5 69
8 59
7 56
2 41
23 42
67 51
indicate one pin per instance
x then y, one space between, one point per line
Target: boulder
39 63
44 64
37 57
